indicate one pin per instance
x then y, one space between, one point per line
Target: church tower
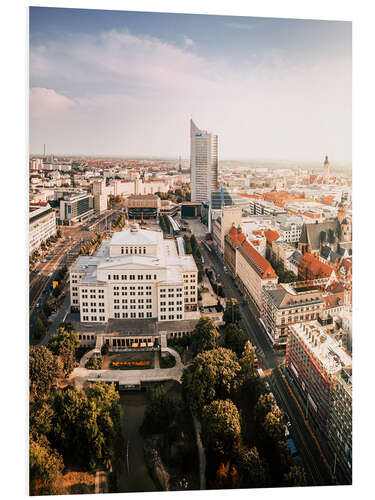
326 169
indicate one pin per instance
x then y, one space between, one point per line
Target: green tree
160 411
253 469
66 356
247 361
265 404
86 426
221 426
42 372
213 374
46 467
295 477
235 338
64 338
38 329
274 424
205 336
232 312
40 418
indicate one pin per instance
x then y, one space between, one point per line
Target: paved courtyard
82 375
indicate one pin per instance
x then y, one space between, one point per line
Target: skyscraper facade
203 163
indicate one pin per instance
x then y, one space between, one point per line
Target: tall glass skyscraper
203 163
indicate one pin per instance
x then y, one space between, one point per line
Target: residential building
321 369
203 163
42 224
253 271
76 208
135 275
287 304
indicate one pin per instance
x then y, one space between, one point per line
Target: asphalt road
308 448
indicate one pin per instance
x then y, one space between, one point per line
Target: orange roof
313 264
235 236
271 236
258 262
259 196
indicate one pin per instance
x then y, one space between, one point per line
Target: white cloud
47 102
188 41
128 94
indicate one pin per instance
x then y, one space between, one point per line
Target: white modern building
42 224
203 163
99 192
135 275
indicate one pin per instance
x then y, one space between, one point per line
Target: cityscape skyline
106 88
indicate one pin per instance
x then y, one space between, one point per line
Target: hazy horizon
125 84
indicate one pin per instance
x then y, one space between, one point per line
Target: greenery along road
268 359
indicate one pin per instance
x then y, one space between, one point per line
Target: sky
117 83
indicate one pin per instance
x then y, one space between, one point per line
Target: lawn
136 357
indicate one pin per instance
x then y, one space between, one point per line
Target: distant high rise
326 169
203 163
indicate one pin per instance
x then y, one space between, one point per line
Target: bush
105 349
94 364
167 362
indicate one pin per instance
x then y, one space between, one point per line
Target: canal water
134 476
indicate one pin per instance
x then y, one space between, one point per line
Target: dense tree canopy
86 426
64 338
295 477
253 469
247 361
274 424
205 336
46 467
212 375
221 427
232 312
235 338
265 404
160 411
43 371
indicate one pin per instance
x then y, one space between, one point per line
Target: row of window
131 277
171 316
133 315
93 318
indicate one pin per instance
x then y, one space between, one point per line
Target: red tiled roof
313 264
271 236
260 264
235 236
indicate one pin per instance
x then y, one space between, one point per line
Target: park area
128 360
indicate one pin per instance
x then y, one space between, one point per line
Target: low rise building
143 206
42 224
